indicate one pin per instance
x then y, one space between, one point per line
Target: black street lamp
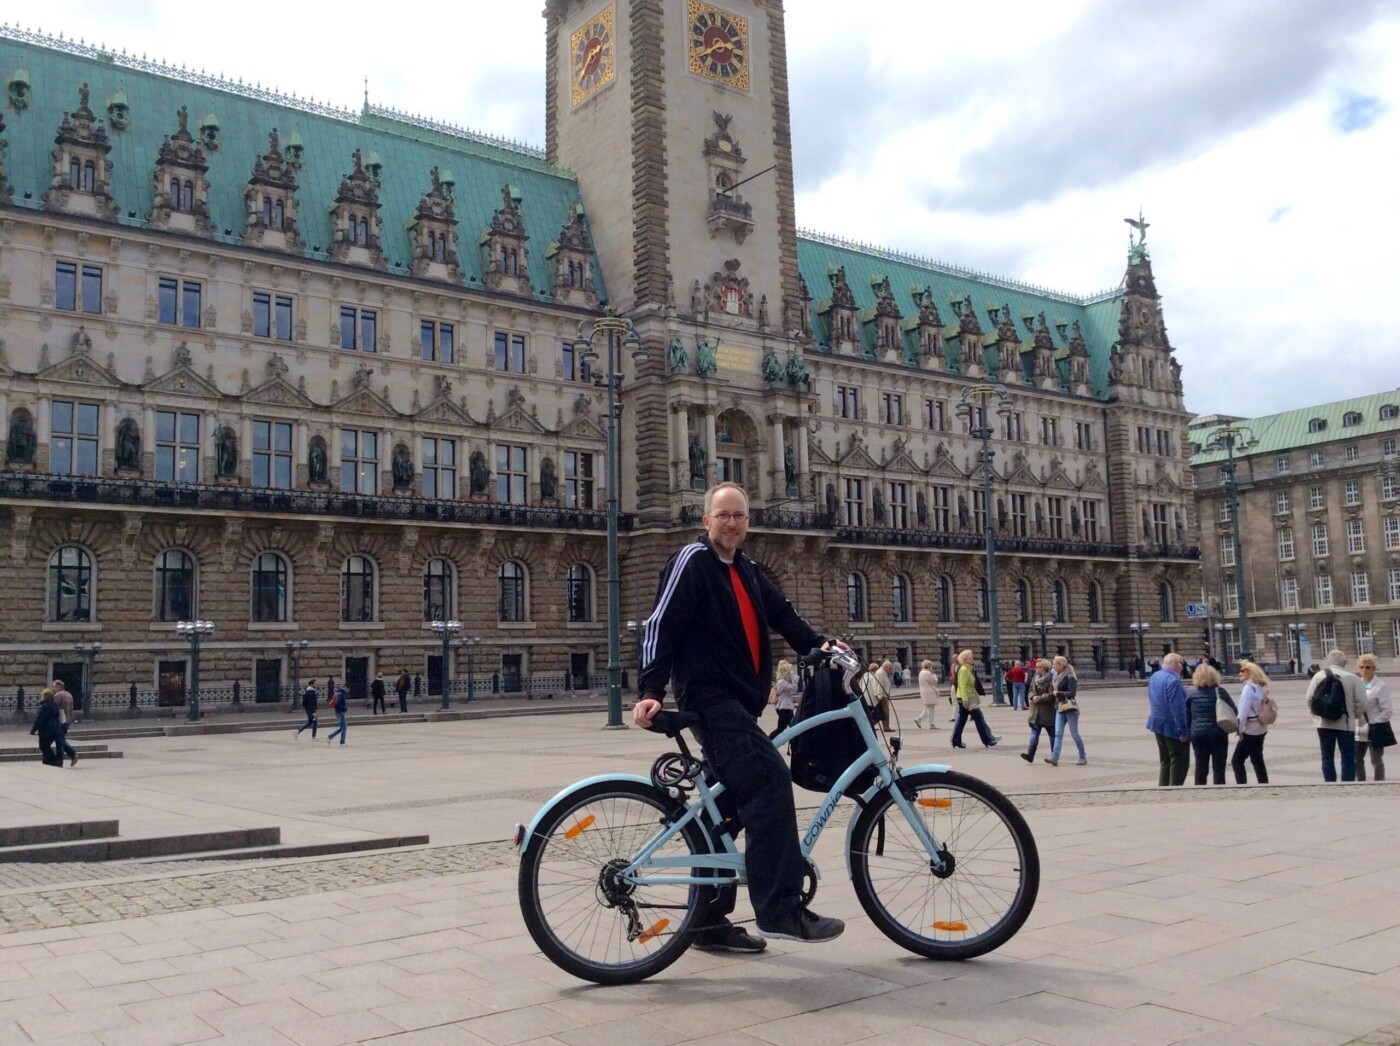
468 643
194 631
1101 654
1296 637
1277 638
1226 633
978 428
295 648
446 630
1140 629
619 336
89 652
1043 627
1231 439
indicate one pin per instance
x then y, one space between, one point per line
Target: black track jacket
695 636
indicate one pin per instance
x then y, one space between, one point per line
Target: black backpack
821 755
1329 699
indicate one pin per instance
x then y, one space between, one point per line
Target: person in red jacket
1016 678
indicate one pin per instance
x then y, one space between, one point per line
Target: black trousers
757 781
310 721
1210 755
46 749
1251 747
378 706
979 720
784 721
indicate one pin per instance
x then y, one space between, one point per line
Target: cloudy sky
1259 139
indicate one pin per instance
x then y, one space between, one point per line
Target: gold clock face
592 55
718 44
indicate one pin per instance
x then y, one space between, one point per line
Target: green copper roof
1293 429
407 147
1097 314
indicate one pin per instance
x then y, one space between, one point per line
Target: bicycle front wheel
585 916
990 876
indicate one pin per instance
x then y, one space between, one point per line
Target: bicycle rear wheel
990 878
584 916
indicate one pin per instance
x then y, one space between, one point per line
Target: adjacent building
312 375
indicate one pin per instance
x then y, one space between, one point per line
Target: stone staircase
31 754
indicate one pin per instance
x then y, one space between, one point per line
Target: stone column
301 449
107 445
148 442
711 468
680 447
778 477
245 450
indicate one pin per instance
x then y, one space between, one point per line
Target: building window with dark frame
1166 603
1095 602
439 583
1020 520
359 329
935 415
359 461
357 589
578 479
175 586
177 447
70 596
847 401
579 593
73 294
73 438
899 505
1055 516
1023 601
272 454
854 503
944 590
439 469
269 587
510 352
512 475
899 593
511 605
1059 594
855 598
272 316
437 341
941 517
891 408
179 302
1091 520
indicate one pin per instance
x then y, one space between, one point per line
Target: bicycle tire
985 897
568 901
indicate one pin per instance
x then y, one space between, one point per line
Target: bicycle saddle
672 723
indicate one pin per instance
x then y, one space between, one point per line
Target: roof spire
366 94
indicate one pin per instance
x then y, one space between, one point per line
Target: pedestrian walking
928 697
1209 742
1042 709
1064 686
340 701
376 692
1166 718
968 691
1016 677
784 696
309 701
1254 691
876 684
1380 735
64 700
46 726
402 689
1335 720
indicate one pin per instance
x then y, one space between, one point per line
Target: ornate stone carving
81 179
729 292
270 202
504 254
432 234
179 189
354 217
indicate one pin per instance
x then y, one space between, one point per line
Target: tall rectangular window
1232 596
78 289
179 301
942 509
1391 526
1365 639
272 316
359 461
1356 536
359 329
177 447
1360 588
1226 512
891 408
512 477
935 414
1387 448
1351 493
1319 539
1285 543
1161 531
979 511
855 503
1390 489
571 368
1050 432
439 467
1012 430
1282 503
899 505
1353 453
1290 593
578 479
1392 584
847 401
510 352
1091 520
1322 590
1315 497
272 454
1055 511
1315 459
73 438
437 342
1327 633
1020 520
1083 435
1227 551
1281 463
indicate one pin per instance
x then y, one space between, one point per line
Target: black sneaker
803 924
728 938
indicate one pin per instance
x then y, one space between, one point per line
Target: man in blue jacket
1166 717
708 636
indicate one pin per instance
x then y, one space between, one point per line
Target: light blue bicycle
616 871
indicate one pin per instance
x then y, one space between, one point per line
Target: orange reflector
655 929
579 828
951 927
940 804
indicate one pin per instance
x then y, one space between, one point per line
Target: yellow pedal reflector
938 804
950 927
653 931
579 828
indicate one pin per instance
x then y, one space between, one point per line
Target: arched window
267 210
175 586
1389 412
1166 609
579 592
279 214
89 176
945 598
1317 424
511 584
1351 419
1061 593
364 230
70 585
187 197
174 192
270 579
855 597
438 587
1023 601
75 174
357 589
899 589
1095 602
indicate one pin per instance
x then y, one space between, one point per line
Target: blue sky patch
1357 112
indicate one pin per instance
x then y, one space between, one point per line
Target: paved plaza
1206 915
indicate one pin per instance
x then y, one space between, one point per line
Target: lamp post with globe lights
446 631
194 631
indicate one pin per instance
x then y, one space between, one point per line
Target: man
1016 676
309 701
64 700
708 635
402 688
1333 734
1166 717
376 692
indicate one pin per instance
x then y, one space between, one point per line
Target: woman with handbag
1205 703
1254 685
1042 708
1380 735
784 697
1064 685
928 696
968 691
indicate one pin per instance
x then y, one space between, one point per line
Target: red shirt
747 613
1016 674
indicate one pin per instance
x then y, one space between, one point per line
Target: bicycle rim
978 903
581 913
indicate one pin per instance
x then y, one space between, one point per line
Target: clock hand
588 58
723 45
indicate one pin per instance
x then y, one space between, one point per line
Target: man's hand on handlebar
644 710
838 644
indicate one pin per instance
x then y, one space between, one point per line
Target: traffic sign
1197 610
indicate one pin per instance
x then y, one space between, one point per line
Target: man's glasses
730 517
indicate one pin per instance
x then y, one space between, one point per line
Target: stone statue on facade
402 466
676 359
128 445
225 451
831 505
921 509
705 361
790 469
1074 520
796 371
22 443
772 369
1039 518
697 463
878 507
316 462
962 512
480 474
548 480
